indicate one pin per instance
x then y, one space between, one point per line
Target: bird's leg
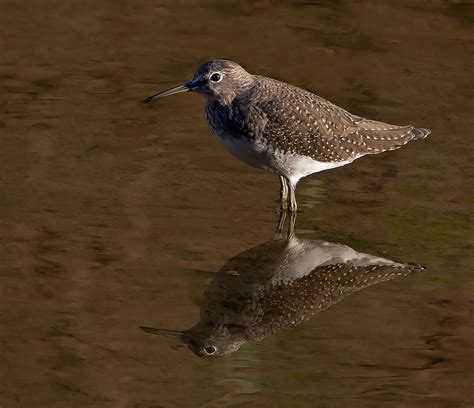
281 225
283 194
293 205
291 225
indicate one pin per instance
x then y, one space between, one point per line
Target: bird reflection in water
277 285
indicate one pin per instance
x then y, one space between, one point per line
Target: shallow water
116 215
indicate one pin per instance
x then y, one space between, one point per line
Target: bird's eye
210 350
215 77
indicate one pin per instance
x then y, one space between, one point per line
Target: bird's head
206 340
220 79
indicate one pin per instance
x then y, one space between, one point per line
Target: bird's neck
246 86
221 100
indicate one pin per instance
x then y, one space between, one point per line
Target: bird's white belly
251 153
302 256
297 166
293 166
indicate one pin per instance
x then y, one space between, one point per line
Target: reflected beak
172 334
172 91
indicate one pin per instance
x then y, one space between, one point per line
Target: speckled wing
337 281
289 304
303 123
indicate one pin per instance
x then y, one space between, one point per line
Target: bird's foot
286 206
293 207
279 233
282 206
280 225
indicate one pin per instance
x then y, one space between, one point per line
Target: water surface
115 215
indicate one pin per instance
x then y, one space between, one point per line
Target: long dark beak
173 334
172 91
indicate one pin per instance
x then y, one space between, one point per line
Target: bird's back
300 122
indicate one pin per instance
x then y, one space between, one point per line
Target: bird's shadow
277 285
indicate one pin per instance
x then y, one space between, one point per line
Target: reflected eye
215 77
210 350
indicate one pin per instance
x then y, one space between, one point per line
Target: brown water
114 214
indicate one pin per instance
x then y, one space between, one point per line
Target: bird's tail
420 133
